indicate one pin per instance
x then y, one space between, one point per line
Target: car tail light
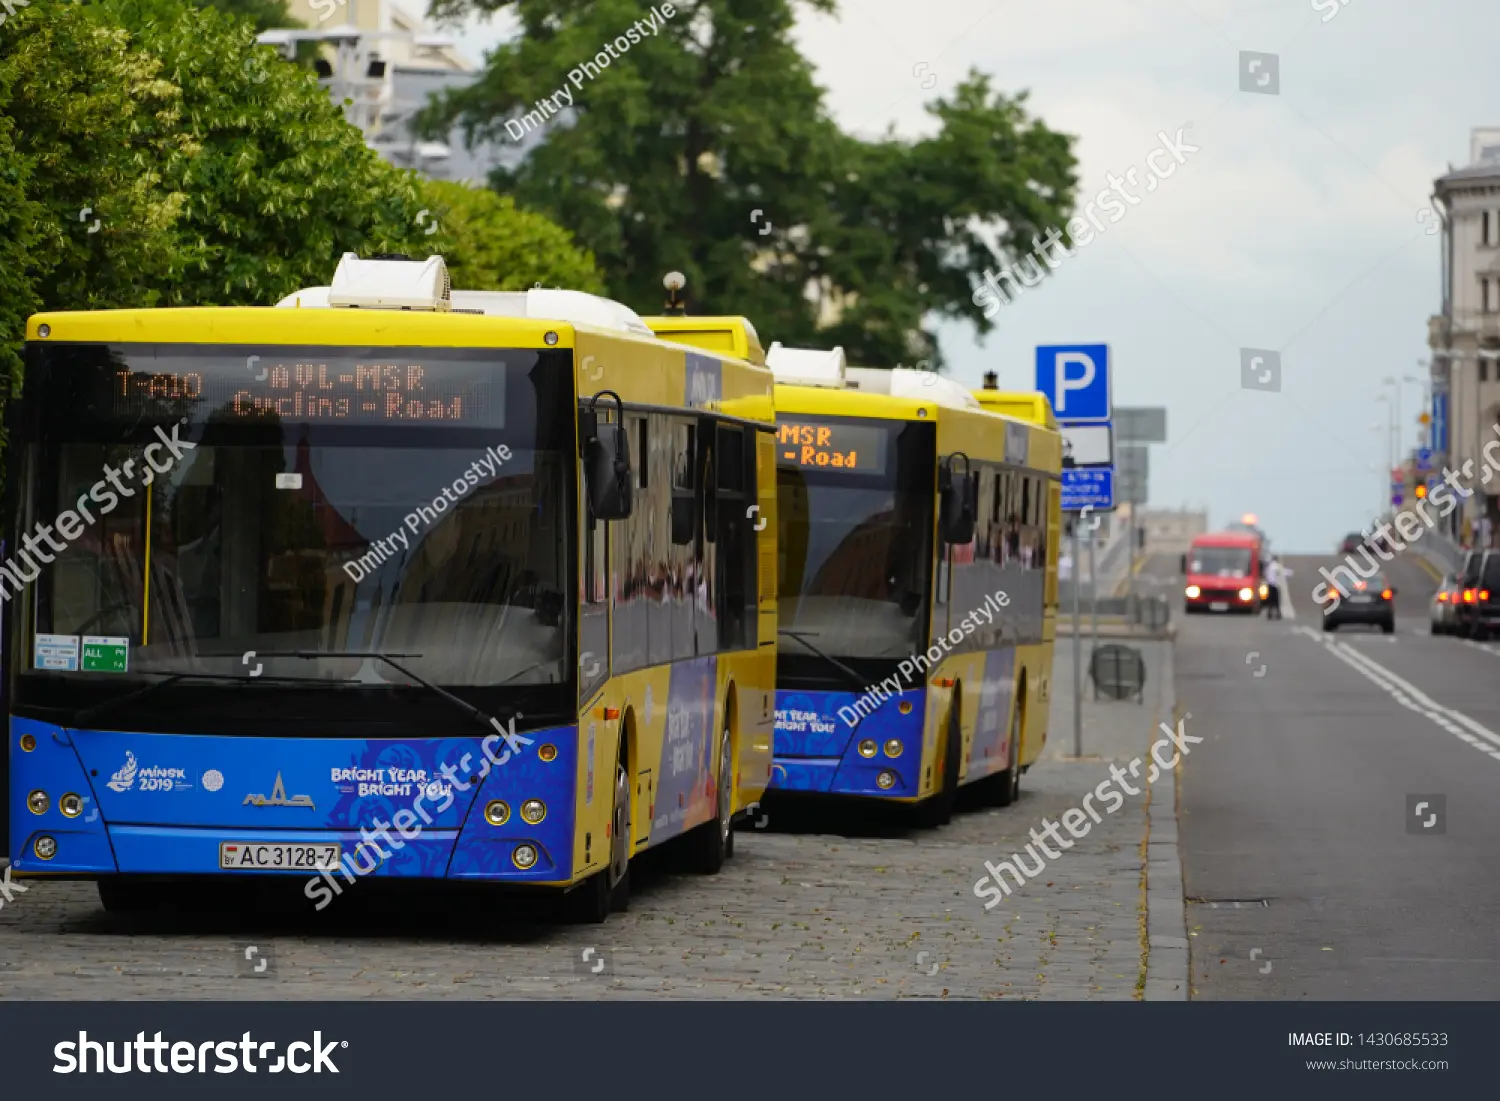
1386 595
1468 596
1442 598
1484 594
1359 584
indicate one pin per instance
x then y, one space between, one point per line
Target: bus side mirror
957 508
607 468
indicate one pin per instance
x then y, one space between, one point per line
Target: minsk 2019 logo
122 780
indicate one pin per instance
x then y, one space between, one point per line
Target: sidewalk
1127 871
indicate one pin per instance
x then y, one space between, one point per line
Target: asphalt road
1310 870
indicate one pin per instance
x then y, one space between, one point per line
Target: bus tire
938 809
126 896
710 844
1008 783
608 890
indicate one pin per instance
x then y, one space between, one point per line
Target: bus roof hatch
391 284
806 366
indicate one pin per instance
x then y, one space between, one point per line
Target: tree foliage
217 173
490 245
663 159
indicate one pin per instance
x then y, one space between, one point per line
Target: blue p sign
1075 379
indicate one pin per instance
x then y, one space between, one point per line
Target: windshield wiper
76 722
854 678
462 704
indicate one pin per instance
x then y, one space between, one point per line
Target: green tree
490 245
673 147
152 154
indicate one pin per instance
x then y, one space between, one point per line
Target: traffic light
1420 491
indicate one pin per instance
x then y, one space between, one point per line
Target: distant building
1465 336
386 63
1168 529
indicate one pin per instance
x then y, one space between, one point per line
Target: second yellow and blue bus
919 530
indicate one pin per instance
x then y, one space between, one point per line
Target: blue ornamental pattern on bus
990 747
685 775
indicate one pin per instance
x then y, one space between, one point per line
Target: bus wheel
609 889
710 842
938 809
1008 783
125 896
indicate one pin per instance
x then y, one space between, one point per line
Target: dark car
1479 599
1352 542
1464 616
1371 600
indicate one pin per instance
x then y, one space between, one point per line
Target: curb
1167 963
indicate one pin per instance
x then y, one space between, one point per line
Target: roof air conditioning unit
391 284
806 366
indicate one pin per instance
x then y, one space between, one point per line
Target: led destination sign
857 448
398 390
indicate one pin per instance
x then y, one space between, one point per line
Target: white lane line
1409 696
1284 596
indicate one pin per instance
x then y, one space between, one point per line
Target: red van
1224 573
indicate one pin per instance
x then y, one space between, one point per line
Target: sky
1300 224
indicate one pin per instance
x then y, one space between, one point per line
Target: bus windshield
403 501
1220 561
855 537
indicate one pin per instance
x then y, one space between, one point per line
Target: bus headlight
37 802
71 805
893 748
533 811
496 813
1193 592
867 748
1246 594
1265 591
886 780
28 743
904 707
524 856
45 848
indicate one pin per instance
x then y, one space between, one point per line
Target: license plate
256 856
1360 598
1218 606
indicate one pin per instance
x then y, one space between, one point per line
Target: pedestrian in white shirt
1274 575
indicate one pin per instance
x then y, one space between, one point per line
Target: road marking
1409 696
1284 595
1428 566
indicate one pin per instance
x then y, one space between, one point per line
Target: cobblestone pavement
879 911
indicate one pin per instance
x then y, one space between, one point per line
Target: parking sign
1075 379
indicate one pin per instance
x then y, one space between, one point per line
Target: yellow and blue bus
394 580
917 586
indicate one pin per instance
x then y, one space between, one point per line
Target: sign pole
1077 653
1093 597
